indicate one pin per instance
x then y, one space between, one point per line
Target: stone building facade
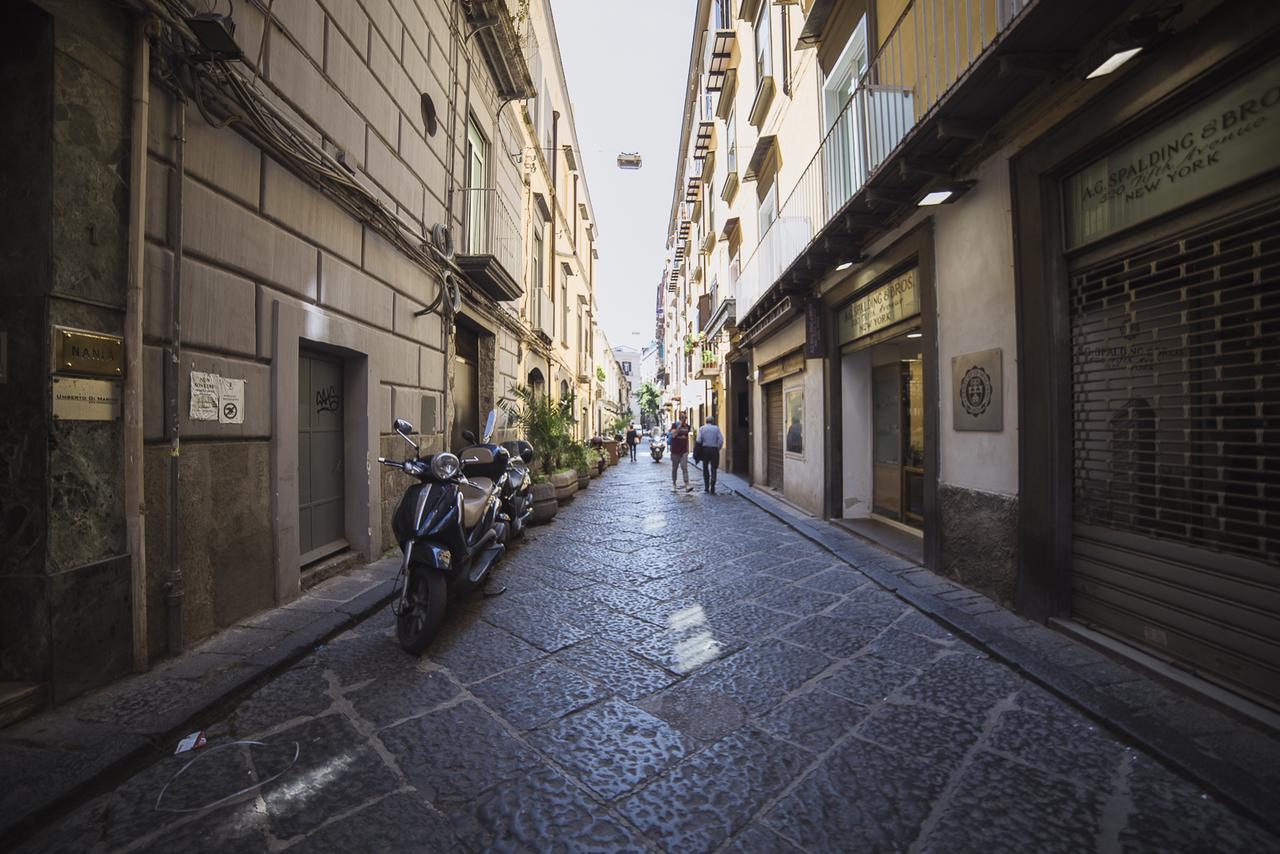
333 230
939 296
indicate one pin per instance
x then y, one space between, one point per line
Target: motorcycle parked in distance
450 531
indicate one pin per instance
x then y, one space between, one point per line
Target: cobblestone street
664 672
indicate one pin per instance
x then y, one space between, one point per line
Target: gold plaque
76 351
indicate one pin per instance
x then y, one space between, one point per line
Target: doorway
740 426
773 435
897 435
466 384
321 449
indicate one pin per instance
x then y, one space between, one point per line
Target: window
564 312
764 46
768 209
535 274
477 198
723 15
731 141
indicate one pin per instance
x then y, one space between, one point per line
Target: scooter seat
475 497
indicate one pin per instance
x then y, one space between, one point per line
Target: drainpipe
555 162
173 366
134 479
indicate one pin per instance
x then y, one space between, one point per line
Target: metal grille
1176 388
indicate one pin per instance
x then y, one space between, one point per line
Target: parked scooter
517 487
450 530
657 445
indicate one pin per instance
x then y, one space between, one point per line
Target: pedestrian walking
678 440
709 442
633 441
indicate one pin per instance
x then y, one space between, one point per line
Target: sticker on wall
204 396
216 398
230 401
977 381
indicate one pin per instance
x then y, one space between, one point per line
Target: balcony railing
931 46
708 365
491 246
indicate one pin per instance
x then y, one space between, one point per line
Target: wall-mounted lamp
944 193
1126 43
216 34
1113 62
915 334
843 265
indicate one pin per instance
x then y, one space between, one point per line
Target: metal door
773 434
1176 502
321 482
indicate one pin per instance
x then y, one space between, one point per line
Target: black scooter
517 489
450 530
656 447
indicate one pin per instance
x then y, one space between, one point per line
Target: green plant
576 456
544 423
692 342
600 373
650 400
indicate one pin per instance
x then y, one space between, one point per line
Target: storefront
1148 361
884 371
789 424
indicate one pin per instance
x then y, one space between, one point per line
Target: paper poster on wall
230 401
204 396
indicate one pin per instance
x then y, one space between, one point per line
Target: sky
625 62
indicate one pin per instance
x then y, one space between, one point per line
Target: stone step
19 700
323 570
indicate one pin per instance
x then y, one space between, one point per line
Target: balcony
491 26
584 367
490 254
861 176
708 365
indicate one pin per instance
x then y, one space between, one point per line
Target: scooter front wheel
424 610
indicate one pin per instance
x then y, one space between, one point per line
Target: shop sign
977 383
80 352
85 400
884 306
1224 140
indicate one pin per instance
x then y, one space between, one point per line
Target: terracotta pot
545 505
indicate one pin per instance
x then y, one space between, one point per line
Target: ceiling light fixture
915 334
844 265
1113 62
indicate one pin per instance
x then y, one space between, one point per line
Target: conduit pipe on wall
172 375
135 514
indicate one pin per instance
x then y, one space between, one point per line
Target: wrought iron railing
930 47
491 229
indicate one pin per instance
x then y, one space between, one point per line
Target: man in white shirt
710 441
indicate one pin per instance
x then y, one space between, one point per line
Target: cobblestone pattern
664 672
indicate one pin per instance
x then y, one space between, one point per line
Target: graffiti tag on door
328 399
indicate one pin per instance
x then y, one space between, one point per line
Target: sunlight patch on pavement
655 522
697 649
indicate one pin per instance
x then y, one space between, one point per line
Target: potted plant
576 456
544 424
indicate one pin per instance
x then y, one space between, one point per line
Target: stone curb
1225 780
128 750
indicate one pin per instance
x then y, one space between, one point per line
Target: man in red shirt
678 439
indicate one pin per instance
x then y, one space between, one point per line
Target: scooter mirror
468 436
489 424
404 428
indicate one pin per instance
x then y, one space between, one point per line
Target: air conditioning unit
629 160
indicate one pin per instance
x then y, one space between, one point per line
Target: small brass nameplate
76 351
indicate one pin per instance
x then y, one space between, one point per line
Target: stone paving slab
59 753
725 685
1236 760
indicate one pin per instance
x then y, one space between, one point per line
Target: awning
815 23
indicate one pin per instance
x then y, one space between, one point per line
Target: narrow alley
664 672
